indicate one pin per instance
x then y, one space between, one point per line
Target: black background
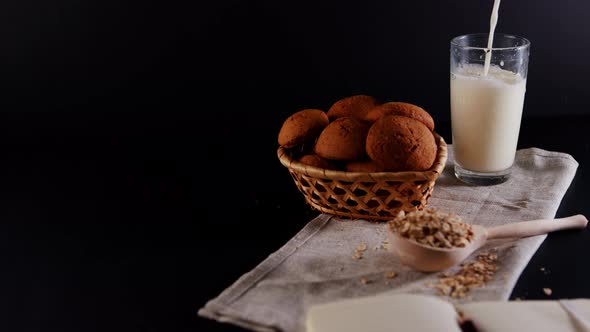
139 175
261 60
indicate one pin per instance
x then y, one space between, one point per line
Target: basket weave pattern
371 196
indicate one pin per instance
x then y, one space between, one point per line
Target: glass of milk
487 97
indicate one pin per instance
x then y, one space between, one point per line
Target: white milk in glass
485 116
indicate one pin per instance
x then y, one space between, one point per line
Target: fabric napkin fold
317 265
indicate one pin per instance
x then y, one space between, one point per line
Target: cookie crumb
365 281
547 291
390 274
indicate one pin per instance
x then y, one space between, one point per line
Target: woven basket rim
430 174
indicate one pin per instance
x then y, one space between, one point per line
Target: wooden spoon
429 259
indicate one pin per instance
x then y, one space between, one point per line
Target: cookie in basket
399 108
401 144
343 139
356 106
317 161
302 128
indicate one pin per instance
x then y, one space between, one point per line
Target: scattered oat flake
542 269
390 274
358 252
547 291
365 281
471 275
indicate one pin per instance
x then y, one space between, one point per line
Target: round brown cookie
399 108
401 144
356 106
365 166
302 127
343 139
317 161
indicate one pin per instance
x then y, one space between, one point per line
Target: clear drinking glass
486 108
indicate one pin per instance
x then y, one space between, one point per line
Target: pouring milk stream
493 23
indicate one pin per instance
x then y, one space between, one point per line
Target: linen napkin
317 265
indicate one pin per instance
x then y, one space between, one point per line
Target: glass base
481 179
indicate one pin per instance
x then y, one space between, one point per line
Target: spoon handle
537 227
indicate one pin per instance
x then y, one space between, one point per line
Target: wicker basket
370 196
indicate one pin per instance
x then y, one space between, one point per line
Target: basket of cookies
363 159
